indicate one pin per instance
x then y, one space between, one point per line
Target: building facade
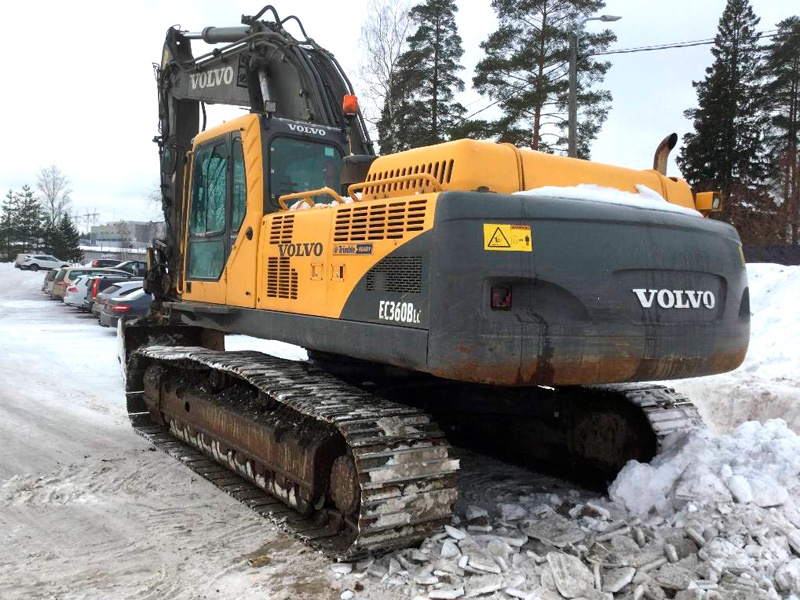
126 234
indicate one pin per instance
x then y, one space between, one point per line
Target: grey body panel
575 317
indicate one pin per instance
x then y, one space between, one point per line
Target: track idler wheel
345 488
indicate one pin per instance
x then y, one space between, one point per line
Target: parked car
49 278
117 290
19 260
76 292
98 284
135 267
34 262
104 262
68 275
134 304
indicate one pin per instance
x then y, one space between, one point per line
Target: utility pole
572 115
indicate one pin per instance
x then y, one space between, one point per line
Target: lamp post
572 117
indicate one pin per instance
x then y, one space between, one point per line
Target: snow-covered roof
646 198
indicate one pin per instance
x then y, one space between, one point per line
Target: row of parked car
35 262
109 293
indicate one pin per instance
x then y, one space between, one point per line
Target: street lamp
572 117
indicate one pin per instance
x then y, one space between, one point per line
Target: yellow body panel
312 259
502 168
309 261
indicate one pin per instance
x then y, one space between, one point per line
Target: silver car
115 291
76 292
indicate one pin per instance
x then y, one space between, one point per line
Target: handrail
307 196
427 177
185 205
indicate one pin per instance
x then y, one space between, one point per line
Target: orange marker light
350 105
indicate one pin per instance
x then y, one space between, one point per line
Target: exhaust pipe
662 153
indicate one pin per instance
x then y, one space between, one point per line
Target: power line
770 33
763 35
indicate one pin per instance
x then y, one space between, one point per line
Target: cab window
300 165
239 189
210 190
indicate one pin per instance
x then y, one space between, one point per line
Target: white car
34 262
19 260
76 292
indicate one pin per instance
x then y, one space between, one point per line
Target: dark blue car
135 304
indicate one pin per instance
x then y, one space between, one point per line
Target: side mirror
708 202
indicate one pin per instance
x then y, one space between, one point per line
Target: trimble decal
212 78
302 249
352 249
694 299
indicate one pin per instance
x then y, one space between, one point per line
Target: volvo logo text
306 129
304 249
676 298
212 78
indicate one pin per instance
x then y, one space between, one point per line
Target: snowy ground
88 511
766 385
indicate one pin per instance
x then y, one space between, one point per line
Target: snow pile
517 535
646 198
304 205
756 464
765 386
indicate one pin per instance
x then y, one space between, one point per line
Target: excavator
438 301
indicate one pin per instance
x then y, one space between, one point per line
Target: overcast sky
79 90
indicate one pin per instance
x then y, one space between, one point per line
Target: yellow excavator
435 298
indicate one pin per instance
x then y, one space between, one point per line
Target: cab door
216 211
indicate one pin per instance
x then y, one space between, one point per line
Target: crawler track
405 471
406 478
666 410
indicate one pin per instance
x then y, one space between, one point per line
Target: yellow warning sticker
508 238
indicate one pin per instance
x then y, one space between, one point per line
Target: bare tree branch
382 41
53 185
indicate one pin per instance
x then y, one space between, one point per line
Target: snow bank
646 198
766 385
756 464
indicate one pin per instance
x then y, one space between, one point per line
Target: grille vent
370 221
281 279
442 171
281 229
401 274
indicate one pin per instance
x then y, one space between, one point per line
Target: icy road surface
87 510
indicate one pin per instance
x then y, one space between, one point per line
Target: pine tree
424 92
726 150
392 120
783 92
526 72
29 217
69 240
8 225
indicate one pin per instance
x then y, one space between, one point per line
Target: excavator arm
258 66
